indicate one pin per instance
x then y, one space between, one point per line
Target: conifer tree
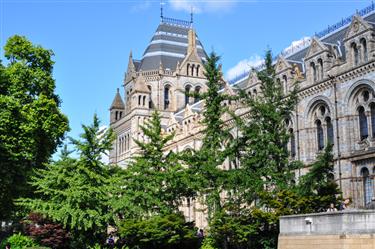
265 168
318 186
74 192
205 164
154 181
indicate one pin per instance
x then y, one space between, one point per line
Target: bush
159 232
46 232
19 241
208 243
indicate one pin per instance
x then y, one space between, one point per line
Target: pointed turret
117 102
117 108
131 71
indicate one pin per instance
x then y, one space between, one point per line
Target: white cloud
244 66
200 6
296 45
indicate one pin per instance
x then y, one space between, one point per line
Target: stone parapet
347 229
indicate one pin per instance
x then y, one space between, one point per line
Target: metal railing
175 21
294 49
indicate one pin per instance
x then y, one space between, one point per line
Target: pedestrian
371 205
332 208
345 204
111 242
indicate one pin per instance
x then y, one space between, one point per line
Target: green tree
318 186
205 164
31 123
266 170
154 181
75 192
159 232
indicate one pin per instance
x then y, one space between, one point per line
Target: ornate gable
172 120
191 59
357 26
282 64
188 111
316 47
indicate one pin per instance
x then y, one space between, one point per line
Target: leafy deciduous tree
31 123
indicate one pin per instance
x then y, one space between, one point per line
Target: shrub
18 241
46 232
159 232
208 243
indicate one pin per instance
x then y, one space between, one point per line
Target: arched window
120 115
285 82
292 143
187 92
363 126
321 69
197 91
198 70
139 100
149 97
128 141
372 108
355 53
166 97
313 71
319 134
116 115
329 130
367 185
364 49
144 100
192 69
187 69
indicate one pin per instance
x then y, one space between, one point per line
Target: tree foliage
159 232
46 232
205 164
318 186
31 123
74 192
154 181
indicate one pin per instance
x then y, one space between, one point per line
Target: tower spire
191 15
161 10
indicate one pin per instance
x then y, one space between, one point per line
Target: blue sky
92 39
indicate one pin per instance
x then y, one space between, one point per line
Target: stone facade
336 75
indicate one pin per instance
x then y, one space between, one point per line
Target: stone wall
347 229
